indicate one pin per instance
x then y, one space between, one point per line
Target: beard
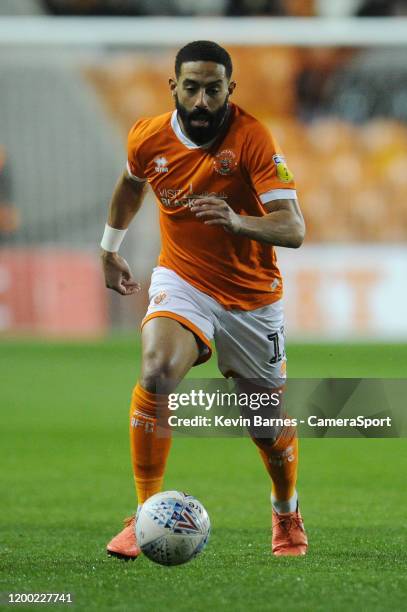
201 125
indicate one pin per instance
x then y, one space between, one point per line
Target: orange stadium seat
271 75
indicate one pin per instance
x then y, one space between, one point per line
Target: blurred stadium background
332 86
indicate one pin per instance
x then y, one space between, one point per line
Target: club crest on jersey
225 162
161 164
283 172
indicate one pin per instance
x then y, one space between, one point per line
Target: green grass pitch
67 484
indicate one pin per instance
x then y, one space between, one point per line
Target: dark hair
203 51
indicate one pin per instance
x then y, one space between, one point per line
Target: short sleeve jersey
243 166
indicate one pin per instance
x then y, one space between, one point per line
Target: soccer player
226 197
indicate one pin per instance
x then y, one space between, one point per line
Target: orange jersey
242 166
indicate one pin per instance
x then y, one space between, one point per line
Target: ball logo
185 521
225 162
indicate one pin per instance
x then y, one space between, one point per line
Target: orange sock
150 442
281 461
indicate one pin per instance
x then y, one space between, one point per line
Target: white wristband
112 238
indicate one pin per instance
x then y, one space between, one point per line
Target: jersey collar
184 139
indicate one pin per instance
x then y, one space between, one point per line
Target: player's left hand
214 211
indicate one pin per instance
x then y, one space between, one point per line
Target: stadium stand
47 103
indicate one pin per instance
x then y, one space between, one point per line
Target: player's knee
264 444
159 374
265 433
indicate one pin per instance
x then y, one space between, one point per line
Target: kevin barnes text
222 421
259 421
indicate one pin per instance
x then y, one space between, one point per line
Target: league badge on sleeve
283 172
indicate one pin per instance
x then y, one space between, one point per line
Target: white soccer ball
172 528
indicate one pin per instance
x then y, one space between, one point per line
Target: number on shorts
277 354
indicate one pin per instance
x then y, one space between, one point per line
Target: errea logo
161 164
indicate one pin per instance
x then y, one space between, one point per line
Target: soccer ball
172 528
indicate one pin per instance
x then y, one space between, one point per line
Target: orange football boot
289 537
124 545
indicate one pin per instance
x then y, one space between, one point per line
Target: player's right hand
118 274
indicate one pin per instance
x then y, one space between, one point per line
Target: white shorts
249 344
